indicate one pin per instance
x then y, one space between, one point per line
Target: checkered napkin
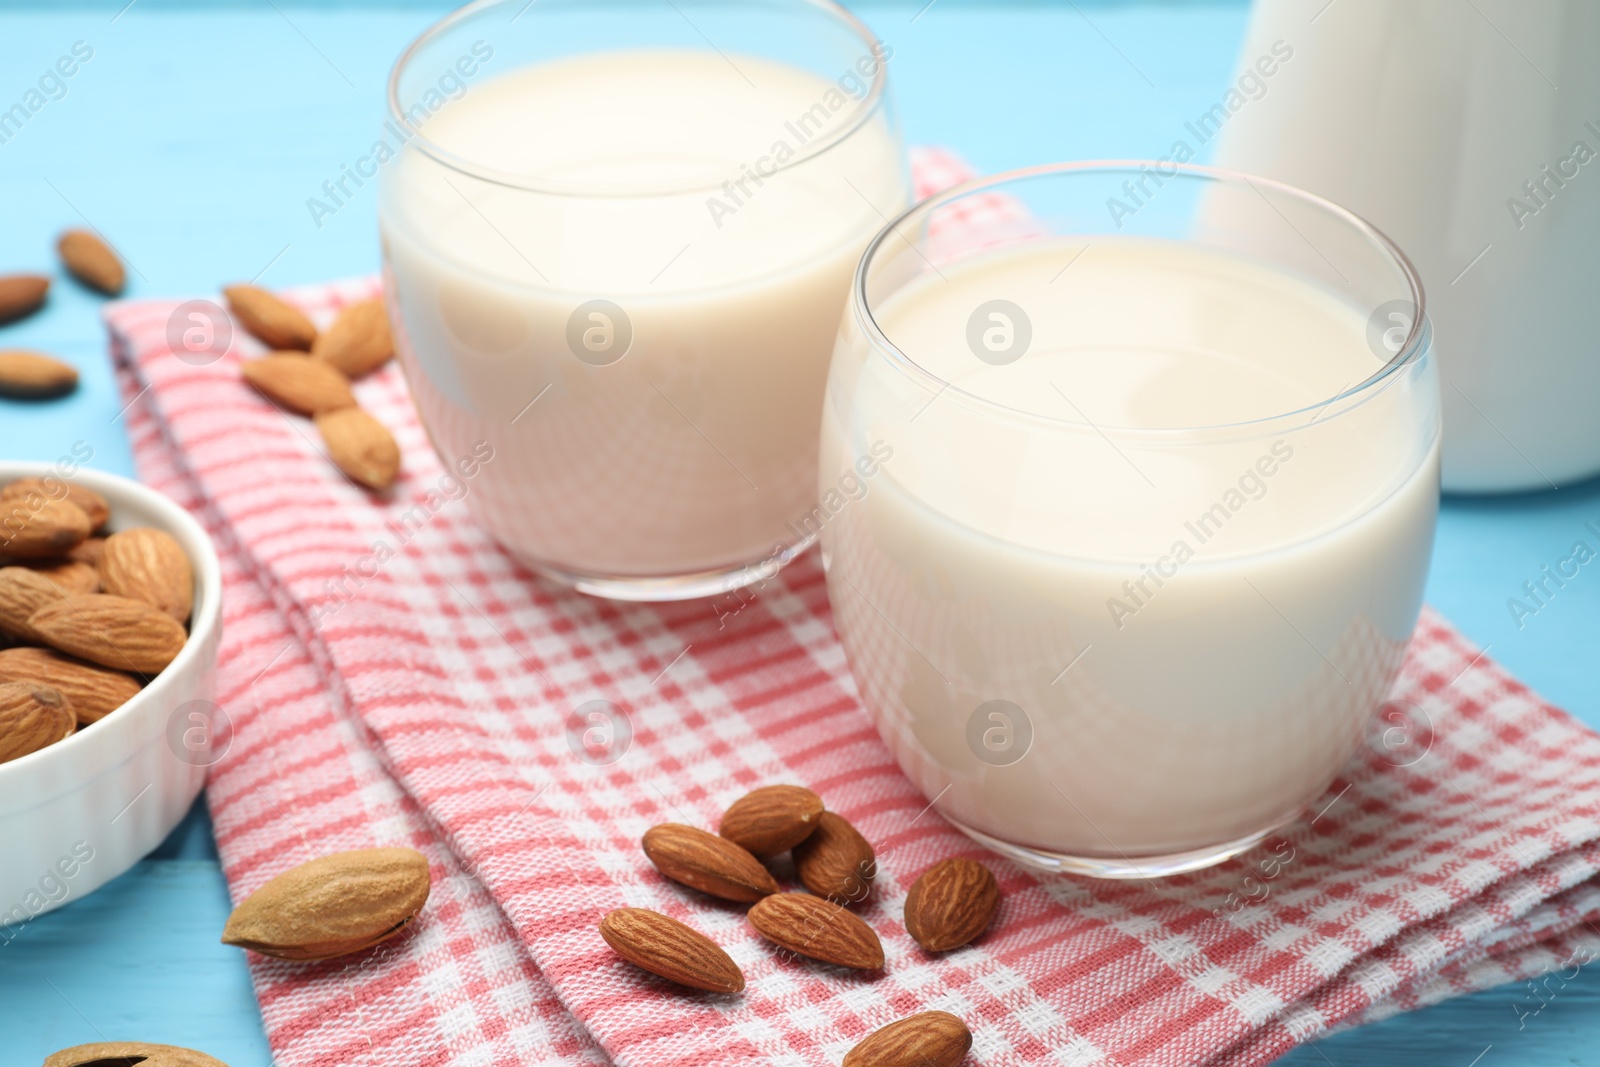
425 701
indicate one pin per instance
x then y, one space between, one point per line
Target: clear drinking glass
617 239
1128 489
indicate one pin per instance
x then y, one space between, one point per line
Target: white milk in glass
644 337
1187 640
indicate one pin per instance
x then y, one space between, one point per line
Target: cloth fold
393 677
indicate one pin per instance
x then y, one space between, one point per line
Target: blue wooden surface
192 139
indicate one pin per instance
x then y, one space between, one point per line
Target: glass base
1121 867
672 587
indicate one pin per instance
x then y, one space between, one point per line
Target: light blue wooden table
195 134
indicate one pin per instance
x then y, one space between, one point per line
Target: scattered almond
90 260
23 592
39 528
772 819
89 502
817 928
21 295
127 1053
359 341
707 862
836 861
666 947
68 575
112 631
269 319
149 565
332 906
35 376
304 386
951 904
359 446
31 717
927 1039
94 692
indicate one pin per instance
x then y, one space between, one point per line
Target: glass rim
866 107
1412 350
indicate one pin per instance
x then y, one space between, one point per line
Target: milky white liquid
694 450
983 559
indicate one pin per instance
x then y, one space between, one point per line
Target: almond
951 904
360 447
68 575
112 631
707 862
94 692
359 341
127 1053
90 260
817 928
149 565
304 386
32 527
270 320
23 592
332 906
21 295
31 717
89 552
666 947
771 819
927 1039
89 502
836 861
34 376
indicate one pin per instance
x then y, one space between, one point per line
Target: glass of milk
617 240
1128 488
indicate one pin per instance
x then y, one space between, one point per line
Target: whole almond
149 565
23 592
359 446
951 904
666 947
817 928
359 341
127 1053
40 528
271 321
113 631
28 375
772 819
927 1039
304 386
90 260
89 502
836 861
94 691
89 552
707 862
31 717
68 575
21 295
332 906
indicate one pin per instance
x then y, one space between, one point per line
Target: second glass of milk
617 240
1129 497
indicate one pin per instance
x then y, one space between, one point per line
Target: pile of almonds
309 373
86 618
28 375
950 905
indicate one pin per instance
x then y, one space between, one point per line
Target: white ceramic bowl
77 814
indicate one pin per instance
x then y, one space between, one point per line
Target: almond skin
707 862
304 386
32 717
359 341
94 691
771 819
21 295
125 1053
91 261
666 947
89 502
951 904
68 575
836 861
89 552
149 565
23 592
28 375
359 446
817 928
35 528
927 1039
112 631
271 321
332 906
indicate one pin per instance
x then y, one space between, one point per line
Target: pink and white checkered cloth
424 702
